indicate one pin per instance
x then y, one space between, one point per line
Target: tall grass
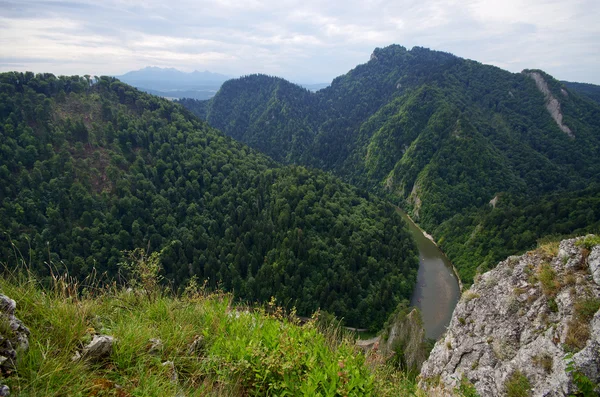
237 352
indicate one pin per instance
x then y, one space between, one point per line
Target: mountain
590 90
459 144
172 83
530 327
93 170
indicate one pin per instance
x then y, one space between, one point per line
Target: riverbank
430 238
438 287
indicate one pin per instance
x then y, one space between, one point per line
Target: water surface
437 290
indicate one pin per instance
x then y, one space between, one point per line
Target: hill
439 135
590 90
93 169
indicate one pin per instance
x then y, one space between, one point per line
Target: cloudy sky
304 41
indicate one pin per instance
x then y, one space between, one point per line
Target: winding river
437 290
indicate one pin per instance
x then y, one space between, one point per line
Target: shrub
588 242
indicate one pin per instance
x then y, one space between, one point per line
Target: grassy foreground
259 352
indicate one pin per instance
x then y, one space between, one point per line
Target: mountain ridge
488 132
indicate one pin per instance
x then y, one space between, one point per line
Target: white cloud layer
307 41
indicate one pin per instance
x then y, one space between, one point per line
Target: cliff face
531 323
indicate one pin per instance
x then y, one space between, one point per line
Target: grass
548 248
547 278
544 361
517 385
588 242
244 352
469 295
578 330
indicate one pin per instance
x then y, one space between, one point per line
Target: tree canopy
91 167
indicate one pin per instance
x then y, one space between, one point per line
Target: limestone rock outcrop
533 317
14 339
14 335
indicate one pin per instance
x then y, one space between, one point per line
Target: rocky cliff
529 327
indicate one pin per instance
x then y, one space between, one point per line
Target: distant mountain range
172 83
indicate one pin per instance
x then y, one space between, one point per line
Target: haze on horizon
305 41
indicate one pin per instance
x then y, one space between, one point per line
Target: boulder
99 348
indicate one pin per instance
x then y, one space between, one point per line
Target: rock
14 335
552 104
510 322
197 346
4 391
173 377
7 305
100 347
407 333
156 346
172 372
594 263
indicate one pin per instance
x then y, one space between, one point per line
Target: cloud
307 41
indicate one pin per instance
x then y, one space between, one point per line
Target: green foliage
143 271
586 308
240 352
588 242
517 385
466 388
547 277
585 387
592 91
94 168
441 136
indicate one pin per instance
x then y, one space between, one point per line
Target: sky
304 41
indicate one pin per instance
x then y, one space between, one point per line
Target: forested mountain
90 168
590 90
441 136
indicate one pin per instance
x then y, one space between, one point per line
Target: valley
441 137
270 202
437 289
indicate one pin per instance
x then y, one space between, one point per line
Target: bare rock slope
531 323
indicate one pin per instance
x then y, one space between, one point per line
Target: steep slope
92 169
529 327
435 133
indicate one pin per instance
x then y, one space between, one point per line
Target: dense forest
440 136
590 90
91 168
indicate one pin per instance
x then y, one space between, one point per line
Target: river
437 290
